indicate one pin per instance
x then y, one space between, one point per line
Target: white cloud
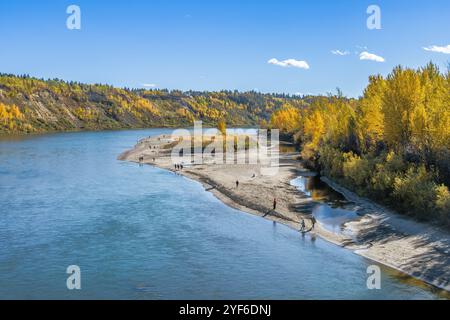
289 63
370 56
439 49
148 85
340 53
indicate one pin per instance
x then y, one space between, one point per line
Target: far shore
419 250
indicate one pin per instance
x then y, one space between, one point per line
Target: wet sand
416 249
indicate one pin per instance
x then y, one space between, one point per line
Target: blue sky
214 45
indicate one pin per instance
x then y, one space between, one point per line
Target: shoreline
419 250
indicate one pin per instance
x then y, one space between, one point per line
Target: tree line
392 144
30 105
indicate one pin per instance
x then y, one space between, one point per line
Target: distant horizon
161 89
212 91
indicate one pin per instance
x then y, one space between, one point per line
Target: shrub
330 161
356 171
442 202
386 168
415 192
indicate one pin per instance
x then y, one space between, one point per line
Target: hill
30 105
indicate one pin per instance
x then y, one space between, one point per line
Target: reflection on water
332 210
318 190
333 219
287 148
408 280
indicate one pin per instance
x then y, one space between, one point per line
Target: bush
415 192
443 202
330 161
387 167
356 171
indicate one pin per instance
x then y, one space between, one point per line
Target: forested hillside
393 144
34 105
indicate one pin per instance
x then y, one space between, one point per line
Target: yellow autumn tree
314 129
371 122
222 127
392 144
403 97
287 119
10 117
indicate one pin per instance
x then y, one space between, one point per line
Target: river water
332 210
138 232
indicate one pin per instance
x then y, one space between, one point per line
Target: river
139 232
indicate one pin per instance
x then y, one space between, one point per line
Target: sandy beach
417 249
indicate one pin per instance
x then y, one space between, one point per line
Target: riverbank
419 250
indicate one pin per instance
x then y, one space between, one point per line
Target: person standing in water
302 225
313 221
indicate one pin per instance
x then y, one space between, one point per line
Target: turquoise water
138 232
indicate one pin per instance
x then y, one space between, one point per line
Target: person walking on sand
302 225
313 221
274 204
237 184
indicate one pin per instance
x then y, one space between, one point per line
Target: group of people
302 221
178 167
303 225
